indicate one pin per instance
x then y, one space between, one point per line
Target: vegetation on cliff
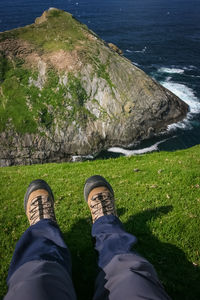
31 93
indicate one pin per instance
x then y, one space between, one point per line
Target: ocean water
161 37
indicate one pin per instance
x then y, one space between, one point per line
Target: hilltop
65 92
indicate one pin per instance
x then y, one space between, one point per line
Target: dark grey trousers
41 266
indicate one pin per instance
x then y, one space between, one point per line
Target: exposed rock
40 81
43 18
128 107
65 93
115 48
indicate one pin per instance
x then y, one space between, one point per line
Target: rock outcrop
65 93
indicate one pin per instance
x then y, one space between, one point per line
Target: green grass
46 104
60 31
160 204
13 96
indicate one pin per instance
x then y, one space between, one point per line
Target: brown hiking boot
39 202
99 195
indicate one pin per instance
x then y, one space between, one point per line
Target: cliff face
65 92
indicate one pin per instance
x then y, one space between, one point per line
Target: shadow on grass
84 258
179 276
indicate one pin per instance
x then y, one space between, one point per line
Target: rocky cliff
65 92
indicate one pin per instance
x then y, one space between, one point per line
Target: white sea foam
171 70
185 93
141 51
137 51
136 64
77 158
195 76
136 152
168 78
190 68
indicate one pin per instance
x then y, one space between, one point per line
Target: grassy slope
160 204
15 89
22 104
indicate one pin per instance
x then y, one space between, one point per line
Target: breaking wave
171 70
185 93
137 51
141 51
137 152
78 158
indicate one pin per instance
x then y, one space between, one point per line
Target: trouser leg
41 265
124 274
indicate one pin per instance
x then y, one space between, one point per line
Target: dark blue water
161 37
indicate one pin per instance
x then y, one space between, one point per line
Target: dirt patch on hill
16 48
63 61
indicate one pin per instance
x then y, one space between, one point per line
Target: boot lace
102 204
41 208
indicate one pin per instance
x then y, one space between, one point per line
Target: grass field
159 203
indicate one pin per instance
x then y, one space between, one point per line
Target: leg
123 274
41 265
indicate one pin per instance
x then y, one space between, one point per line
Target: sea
162 37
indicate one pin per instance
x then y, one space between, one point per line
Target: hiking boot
39 202
99 195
